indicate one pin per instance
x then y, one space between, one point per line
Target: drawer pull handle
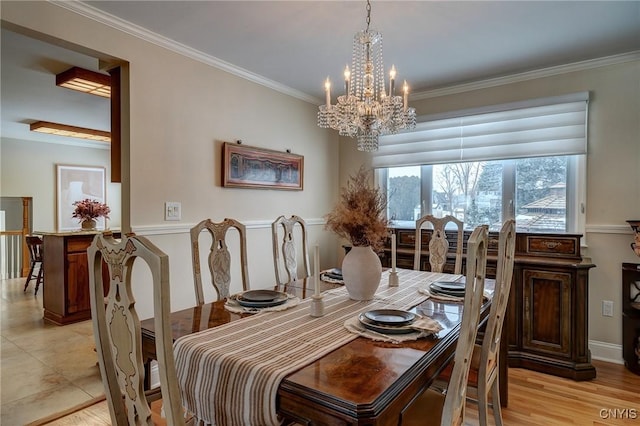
551 244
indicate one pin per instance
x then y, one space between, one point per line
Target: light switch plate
172 210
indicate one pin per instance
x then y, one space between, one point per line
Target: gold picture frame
250 167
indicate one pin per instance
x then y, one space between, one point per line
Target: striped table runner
229 375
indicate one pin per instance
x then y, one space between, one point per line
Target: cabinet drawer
552 246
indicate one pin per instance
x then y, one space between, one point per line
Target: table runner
229 375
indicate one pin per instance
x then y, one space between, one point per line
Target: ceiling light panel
70 131
85 81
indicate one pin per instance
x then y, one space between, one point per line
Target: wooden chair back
117 329
35 245
453 410
285 245
438 244
219 259
488 371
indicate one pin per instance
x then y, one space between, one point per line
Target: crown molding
529 75
151 37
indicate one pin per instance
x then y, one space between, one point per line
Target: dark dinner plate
260 295
279 299
391 317
446 288
382 328
449 285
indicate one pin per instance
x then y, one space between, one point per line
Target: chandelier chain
368 14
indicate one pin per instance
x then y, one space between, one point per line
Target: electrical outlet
607 308
172 210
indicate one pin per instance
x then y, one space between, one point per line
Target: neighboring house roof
555 202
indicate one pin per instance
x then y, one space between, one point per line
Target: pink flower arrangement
90 209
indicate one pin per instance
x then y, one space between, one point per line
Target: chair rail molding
185 228
608 229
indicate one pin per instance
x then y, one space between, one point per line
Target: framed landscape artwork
75 183
250 167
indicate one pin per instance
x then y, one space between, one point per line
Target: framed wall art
75 183
249 167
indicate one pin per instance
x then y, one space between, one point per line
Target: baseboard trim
608 352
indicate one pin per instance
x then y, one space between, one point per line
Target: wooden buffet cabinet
547 321
66 297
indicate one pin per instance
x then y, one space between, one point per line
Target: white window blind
535 128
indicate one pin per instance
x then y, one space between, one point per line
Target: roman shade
535 128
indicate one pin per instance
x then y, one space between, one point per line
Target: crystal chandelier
366 110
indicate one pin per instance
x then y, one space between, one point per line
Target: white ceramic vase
361 271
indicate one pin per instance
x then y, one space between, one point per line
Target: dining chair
285 245
219 258
488 380
484 376
433 407
438 243
36 258
117 333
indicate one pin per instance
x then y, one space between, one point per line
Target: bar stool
35 245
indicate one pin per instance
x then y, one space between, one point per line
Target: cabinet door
547 312
78 297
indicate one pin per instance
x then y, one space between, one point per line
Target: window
524 161
534 191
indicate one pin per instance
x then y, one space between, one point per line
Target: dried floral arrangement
360 215
90 209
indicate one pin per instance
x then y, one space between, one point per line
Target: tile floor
44 368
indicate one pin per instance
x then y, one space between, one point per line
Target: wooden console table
546 322
66 287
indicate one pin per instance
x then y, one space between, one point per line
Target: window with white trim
522 160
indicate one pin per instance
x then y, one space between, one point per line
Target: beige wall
181 111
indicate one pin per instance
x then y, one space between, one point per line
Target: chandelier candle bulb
316 270
327 88
347 76
392 80
405 87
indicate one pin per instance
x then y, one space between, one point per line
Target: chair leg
40 278
29 276
483 404
495 399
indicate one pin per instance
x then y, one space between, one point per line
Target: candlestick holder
317 306
393 279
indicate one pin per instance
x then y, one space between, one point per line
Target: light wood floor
535 399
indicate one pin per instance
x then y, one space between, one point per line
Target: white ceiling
295 45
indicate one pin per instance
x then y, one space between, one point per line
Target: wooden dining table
363 382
